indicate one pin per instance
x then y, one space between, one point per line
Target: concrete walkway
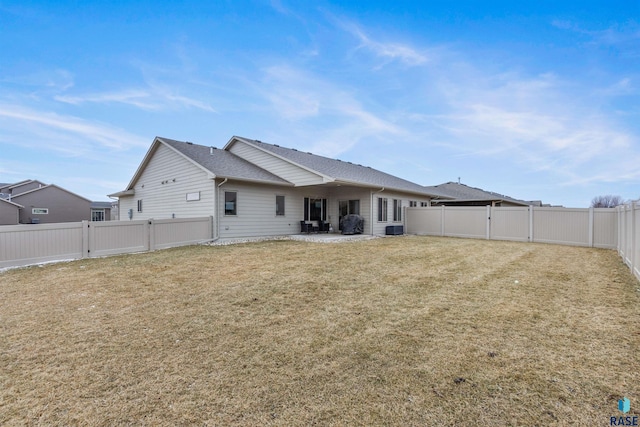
315 238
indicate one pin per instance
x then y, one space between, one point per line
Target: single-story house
457 194
101 211
252 188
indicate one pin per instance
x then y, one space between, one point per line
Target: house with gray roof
34 202
252 188
457 194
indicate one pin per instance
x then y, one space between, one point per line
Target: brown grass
397 331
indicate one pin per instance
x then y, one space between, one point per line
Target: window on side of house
140 205
397 210
382 209
424 204
279 205
413 204
230 203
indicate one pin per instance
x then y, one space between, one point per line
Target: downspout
371 206
216 229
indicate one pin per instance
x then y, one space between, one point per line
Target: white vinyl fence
581 227
32 244
629 235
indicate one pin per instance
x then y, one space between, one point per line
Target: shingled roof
463 193
338 170
222 163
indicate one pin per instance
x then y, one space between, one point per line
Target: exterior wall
8 213
163 187
26 187
379 227
275 165
256 210
62 205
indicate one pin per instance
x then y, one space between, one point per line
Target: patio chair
306 227
323 227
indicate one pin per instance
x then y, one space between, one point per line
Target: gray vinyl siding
163 187
275 165
62 206
8 214
23 188
256 210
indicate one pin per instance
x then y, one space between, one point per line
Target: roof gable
49 187
336 170
11 203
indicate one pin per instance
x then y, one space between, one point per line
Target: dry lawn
411 331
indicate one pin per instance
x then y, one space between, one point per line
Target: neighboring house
9 190
251 188
457 194
9 212
37 202
101 211
50 204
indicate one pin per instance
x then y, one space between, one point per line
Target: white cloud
390 51
57 128
329 119
153 98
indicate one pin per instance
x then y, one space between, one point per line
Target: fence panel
167 233
118 237
424 221
465 221
561 225
510 223
605 228
32 244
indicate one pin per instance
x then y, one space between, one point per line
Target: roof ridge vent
190 143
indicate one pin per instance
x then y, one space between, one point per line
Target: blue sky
537 100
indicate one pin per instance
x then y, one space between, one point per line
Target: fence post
488 234
591 227
531 223
85 239
442 220
632 236
152 235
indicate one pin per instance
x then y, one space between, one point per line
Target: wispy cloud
388 51
624 37
62 128
332 118
152 98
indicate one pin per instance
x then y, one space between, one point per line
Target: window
140 205
424 204
382 209
279 205
315 209
39 211
413 204
230 203
397 210
97 214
